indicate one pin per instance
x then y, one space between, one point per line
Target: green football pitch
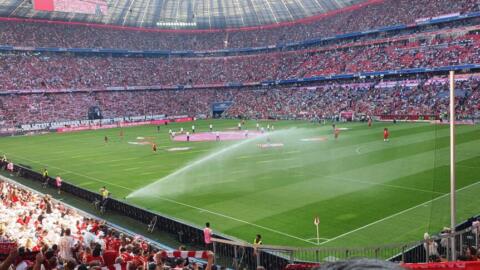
364 190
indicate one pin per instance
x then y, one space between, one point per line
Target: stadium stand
426 96
39 233
25 70
51 87
359 18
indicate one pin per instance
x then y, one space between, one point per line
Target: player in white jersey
211 127
258 126
217 136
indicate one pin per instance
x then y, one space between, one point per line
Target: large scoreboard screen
97 7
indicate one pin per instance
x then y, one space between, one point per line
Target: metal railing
239 255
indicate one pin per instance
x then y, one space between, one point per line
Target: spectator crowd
375 15
44 235
424 96
26 70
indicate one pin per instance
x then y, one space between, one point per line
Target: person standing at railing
4 162
256 242
207 236
105 194
45 177
58 183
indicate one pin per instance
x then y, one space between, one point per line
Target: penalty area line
179 203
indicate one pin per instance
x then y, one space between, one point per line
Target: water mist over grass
242 164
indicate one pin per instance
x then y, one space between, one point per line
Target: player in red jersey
154 148
369 122
385 134
336 133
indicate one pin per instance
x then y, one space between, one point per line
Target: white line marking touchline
179 203
396 214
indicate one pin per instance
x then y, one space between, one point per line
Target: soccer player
181 130
369 122
188 136
217 136
154 148
193 128
258 126
158 128
121 134
246 133
336 133
268 127
105 139
58 183
45 177
386 134
211 127
239 126
272 128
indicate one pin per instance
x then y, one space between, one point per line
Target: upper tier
374 14
26 70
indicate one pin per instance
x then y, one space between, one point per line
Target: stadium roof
179 14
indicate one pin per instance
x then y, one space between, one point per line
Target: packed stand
427 96
24 70
375 15
43 235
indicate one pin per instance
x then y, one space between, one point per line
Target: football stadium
239 134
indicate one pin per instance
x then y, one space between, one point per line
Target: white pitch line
180 203
324 239
394 215
385 185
